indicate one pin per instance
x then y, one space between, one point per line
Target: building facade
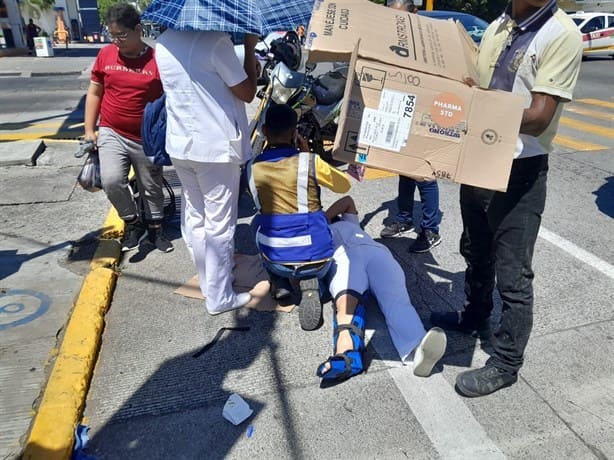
80 17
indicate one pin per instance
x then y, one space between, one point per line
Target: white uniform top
205 121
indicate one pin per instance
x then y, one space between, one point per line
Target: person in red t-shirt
124 78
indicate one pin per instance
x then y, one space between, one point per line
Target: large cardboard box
406 108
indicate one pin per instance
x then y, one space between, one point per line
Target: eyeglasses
118 37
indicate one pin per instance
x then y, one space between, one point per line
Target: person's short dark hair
124 15
279 119
405 5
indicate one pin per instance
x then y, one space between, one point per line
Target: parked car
474 26
597 32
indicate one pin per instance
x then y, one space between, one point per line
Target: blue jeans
499 234
280 274
429 198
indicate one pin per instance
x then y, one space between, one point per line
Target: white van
597 32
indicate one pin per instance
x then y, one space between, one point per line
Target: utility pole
429 5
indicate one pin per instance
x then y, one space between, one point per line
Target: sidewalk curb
52 433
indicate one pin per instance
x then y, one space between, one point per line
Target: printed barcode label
391 127
388 127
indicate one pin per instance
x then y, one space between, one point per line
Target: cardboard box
405 107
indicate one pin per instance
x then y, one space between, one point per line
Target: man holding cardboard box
533 50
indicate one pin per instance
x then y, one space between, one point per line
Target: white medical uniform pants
372 267
210 197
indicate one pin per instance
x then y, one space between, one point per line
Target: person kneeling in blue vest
292 233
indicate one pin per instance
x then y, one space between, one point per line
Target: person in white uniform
206 89
360 265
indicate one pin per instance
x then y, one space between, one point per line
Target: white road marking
577 252
447 421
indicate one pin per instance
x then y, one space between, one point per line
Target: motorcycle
275 47
317 101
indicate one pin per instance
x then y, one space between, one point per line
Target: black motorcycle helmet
288 50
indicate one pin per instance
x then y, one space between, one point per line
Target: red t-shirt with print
128 85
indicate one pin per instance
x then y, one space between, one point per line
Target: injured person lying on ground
363 266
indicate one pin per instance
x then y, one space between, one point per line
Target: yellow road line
597 102
590 113
52 433
588 127
373 173
21 136
60 140
576 144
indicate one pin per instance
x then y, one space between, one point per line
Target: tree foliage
485 9
34 8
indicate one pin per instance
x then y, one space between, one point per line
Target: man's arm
92 109
343 205
331 178
538 116
246 90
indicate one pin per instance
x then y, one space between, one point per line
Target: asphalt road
151 399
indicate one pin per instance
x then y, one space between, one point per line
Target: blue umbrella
236 16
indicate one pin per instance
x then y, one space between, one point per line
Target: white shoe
241 300
430 350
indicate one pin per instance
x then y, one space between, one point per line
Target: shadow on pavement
605 197
191 390
70 128
428 284
81 51
81 250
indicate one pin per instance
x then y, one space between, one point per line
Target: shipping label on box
406 108
426 126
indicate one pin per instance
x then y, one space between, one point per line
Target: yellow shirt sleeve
558 68
330 177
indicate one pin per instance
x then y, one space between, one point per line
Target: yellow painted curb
53 430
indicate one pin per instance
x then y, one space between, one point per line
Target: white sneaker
241 300
430 350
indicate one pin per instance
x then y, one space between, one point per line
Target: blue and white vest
297 236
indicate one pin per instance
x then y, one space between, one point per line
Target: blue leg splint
349 363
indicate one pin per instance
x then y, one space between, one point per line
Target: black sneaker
133 235
483 381
396 228
455 321
279 287
427 240
310 307
157 238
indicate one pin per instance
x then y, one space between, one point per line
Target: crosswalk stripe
597 102
588 127
590 113
444 416
575 144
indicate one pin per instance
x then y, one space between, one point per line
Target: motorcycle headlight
280 93
285 83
